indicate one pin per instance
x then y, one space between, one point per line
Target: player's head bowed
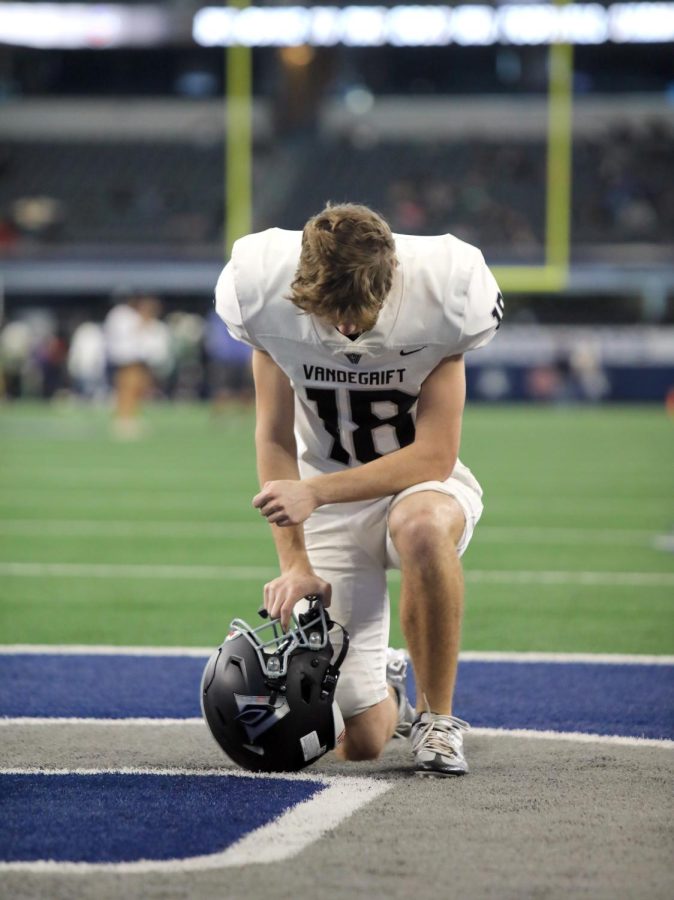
346 265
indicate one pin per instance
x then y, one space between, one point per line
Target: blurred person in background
38 218
32 356
187 375
138 347
9 236
87 361
230 375
51 355
16 344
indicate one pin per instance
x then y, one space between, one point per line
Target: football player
358 338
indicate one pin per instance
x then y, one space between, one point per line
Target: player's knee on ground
360 748
418 529
368 732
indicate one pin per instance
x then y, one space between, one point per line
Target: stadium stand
112 176
116 192
486 191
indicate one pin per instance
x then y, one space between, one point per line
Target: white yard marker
90 528
592 579
559 535
574 504
577 737
143 721
104 650
253 573
616 659
122 570
93 528
281 839
609 659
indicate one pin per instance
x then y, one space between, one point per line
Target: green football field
155 542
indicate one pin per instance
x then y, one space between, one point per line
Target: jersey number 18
365 419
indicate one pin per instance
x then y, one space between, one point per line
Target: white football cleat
437 742
396 675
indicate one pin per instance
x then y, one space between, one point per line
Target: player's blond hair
346 265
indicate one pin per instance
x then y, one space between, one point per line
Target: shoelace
441 735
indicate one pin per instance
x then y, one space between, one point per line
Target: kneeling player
358 340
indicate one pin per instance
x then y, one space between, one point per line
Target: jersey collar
370 343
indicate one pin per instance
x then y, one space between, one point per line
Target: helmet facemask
268 695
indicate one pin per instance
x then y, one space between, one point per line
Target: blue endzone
628 700
112 818
592 698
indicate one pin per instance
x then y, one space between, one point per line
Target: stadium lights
426 26
102 26
72 26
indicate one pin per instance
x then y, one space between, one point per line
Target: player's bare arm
431 456
277 459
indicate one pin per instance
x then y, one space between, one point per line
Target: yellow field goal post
551 276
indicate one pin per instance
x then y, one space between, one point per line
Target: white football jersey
356 400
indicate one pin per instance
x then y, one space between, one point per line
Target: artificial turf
567 490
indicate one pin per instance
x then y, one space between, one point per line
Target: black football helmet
268 696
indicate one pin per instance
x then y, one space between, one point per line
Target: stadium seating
487 191
118 192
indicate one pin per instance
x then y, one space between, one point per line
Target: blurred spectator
138 348
87 361
187 333
586 368
9 236
15 356
39 217
32 356
51 355
547 383
229 366
407 208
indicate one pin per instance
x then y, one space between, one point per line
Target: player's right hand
281 594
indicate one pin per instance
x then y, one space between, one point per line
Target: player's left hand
286 502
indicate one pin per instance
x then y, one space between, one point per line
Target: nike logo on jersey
410 352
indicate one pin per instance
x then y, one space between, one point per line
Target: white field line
88 528
126 502
125 489
123 570
104 650
253 573
574 504
281 839
84 528
504 534
621 659
664 542
614 579
579 737
139 721
615 659
190 495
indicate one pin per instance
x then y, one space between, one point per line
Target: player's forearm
290 548
387 475
275 461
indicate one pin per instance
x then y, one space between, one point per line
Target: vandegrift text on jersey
342 376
